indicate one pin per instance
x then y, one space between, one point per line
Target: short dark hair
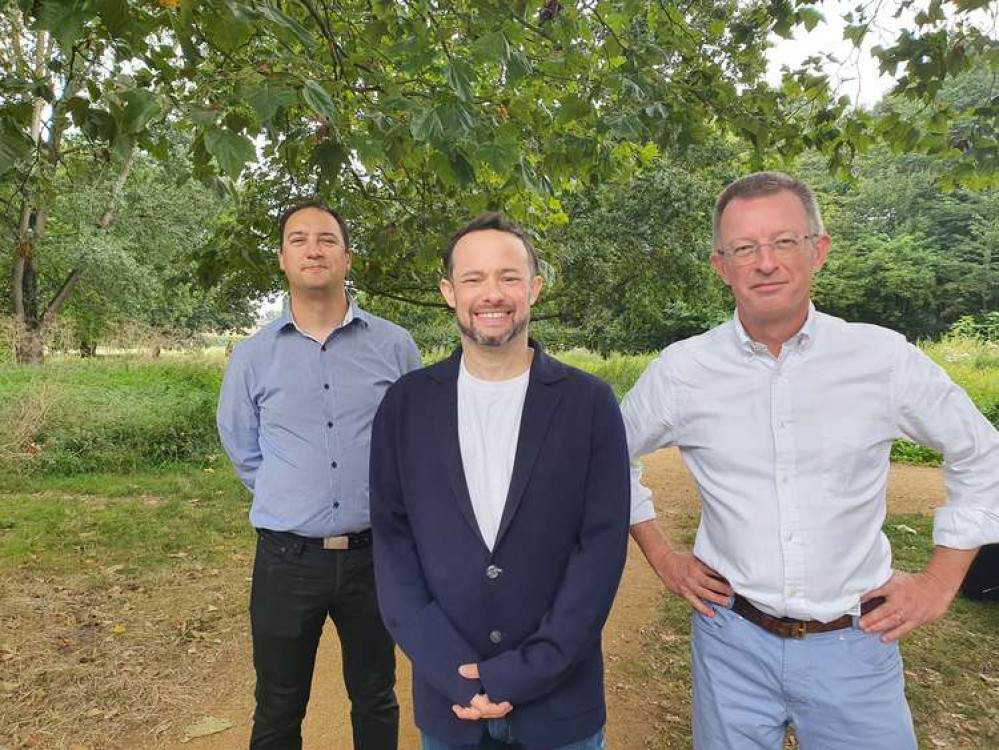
492 220
317 203
761 184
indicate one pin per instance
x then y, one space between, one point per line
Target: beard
517 327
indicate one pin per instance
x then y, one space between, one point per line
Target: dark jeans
295 587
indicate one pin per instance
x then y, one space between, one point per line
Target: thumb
469 671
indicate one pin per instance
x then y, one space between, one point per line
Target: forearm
949 566
651 540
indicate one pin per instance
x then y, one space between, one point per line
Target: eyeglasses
783 247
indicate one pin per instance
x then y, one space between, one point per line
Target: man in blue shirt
295 417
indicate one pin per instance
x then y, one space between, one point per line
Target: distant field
127 413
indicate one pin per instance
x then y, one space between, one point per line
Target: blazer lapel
448 431
540 402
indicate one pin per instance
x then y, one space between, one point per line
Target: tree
419 112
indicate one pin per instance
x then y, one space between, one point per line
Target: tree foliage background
604 125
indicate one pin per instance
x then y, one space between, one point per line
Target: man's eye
786 243
511 279
741 251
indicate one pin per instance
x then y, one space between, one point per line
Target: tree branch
60 298
399 298
119 185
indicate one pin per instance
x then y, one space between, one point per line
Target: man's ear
718 263
822 245
447 290
536 283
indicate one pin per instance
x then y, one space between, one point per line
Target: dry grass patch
90 658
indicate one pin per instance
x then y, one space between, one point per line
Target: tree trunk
28 346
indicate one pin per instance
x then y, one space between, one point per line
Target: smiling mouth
492 315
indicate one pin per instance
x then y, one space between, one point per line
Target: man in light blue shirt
295 417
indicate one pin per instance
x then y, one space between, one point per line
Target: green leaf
204 116
226 31
123 145
461 167
330 156
267 98
573 107
65 19
77 107
460 76
457 121
287 22
99 125
493 47
518 66
114 14
966 6
231 150
499 155
316 98
425 125
141 106
810 17
855 33
14 145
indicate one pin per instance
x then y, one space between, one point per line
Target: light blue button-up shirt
295 415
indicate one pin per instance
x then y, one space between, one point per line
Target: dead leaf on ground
206 726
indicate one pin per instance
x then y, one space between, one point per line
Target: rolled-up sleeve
647 410
932 410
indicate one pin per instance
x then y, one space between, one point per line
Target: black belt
344 541
787 627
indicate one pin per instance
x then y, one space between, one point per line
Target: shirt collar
354 312
801 341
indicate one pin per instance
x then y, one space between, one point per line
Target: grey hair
760 184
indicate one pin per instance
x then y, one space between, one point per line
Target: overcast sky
856 72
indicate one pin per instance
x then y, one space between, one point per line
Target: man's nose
492 288
766 261
313 247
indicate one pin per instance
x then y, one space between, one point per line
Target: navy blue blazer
530 612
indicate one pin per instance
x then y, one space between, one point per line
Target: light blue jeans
497 735
841 690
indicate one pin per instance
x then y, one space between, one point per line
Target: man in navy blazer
499 505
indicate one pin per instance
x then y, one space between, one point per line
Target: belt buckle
336 542
799 630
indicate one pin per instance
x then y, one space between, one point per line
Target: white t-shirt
489 414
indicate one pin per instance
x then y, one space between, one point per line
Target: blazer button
495 636
493 572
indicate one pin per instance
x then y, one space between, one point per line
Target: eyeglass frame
757 247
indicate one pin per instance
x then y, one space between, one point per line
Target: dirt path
229 696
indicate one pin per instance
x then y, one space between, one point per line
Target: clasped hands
480 706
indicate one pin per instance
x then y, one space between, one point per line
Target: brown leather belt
787 627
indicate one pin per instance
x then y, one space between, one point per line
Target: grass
119 413
142 520
117 594
112 414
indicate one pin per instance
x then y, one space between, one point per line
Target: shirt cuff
965 528
642 509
